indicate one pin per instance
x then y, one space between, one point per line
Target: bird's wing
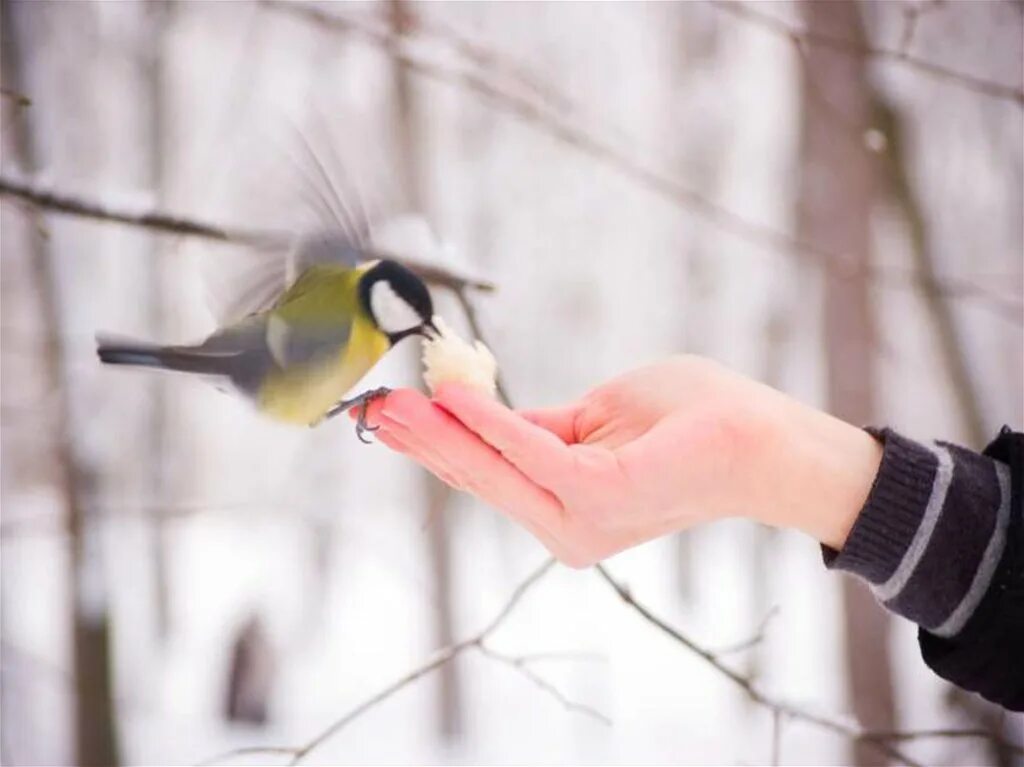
327 193
317 192
271 276
280 339
270 272
312 320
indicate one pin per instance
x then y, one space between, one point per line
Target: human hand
656 450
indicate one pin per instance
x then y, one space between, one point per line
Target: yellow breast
302 395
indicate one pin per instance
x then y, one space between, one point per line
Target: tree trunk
94 711
834 212
156 18
902 192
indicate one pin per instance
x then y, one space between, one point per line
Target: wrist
824 469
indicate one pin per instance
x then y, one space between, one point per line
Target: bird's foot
361 401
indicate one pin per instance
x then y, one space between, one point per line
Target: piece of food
449 359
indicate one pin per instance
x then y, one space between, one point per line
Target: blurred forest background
826 196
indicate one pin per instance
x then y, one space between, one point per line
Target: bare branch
963 80
881 741
160 222
247 751
440 658
744 683
469 310
755 640
547 120
488 59
517 594
780 710
520 666
157 221
947 734
627 597
912 13
576 135
568 655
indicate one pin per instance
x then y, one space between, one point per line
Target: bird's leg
361 401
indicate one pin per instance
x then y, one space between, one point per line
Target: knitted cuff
892 513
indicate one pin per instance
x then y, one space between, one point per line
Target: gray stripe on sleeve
943 476
989 562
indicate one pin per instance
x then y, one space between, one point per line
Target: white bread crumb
449 359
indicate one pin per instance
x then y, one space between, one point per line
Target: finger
391 440
416 444
560 421
401 404
535 451
404 441
413 446
475 464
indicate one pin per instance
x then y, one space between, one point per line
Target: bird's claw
361 401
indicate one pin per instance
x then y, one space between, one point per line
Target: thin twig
158 221
912 13
568 655
945 734
439 659
779 709
517 595
469 310
520 666
247 751
877 739
549 121
901 56
744 683
753 641
60 202
488 59
583 138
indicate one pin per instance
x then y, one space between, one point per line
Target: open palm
650 452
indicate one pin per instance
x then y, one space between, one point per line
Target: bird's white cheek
392 313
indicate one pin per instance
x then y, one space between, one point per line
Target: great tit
297 358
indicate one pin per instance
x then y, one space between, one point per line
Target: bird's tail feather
121 351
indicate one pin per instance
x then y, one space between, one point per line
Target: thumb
560 421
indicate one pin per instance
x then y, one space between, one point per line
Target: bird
310 340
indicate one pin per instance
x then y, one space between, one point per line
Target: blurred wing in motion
294 182
333 200
408 237
264 274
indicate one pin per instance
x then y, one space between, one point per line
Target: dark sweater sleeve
940 541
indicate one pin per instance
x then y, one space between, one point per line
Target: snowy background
198 519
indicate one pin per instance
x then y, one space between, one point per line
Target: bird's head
397 301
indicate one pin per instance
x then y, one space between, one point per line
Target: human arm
656 450
686 441
941 542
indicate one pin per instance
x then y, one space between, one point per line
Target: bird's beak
429 330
